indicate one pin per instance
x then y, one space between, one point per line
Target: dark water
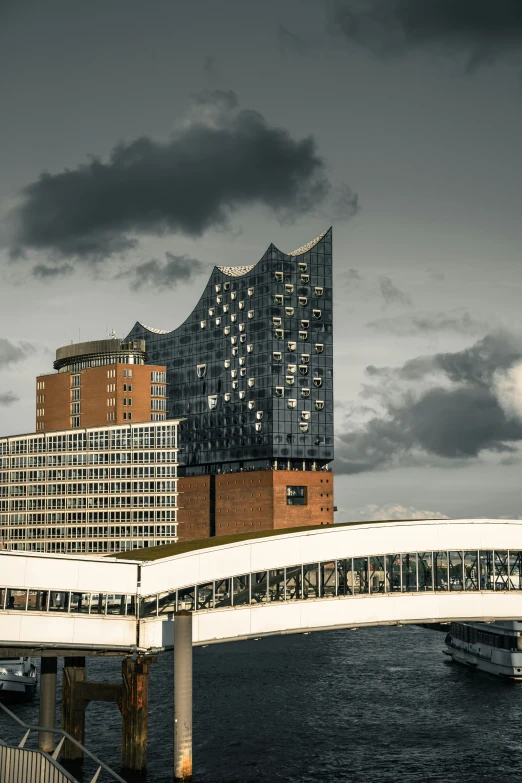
374 705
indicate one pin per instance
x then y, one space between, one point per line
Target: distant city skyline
177 137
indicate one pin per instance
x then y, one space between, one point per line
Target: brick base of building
230 503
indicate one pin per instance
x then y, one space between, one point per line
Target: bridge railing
20 764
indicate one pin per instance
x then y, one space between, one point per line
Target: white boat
18 678
495 648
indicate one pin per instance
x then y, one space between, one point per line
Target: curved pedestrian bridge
251 585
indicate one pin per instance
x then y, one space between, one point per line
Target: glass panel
80 603
16 599
515 571
187 599
344 577
259 588
425 570
130 605
276 585
98 603
393 573
456 571
241 594
59 601
501 570
294 579
311 581
37 600
360 573
115 604
471 570
409 572
486 570
148 606
440 570
377 574
167 602
223 593
205 596
328 574
2 597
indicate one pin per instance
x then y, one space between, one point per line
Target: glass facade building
251 369
95 490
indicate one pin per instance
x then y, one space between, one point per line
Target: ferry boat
495 648
18 678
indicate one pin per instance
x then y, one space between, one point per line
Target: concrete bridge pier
183 696
48 669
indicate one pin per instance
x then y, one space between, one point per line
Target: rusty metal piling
183 696
48 669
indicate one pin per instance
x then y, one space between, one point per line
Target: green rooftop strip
181 548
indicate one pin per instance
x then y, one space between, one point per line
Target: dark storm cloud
219 160
158 275
482 30
50 273
455 423
393 295
11 353
428 323
8 398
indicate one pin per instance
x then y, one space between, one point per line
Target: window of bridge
515 570
311 580
37 600
344 577
205 596
361 581
259 588
241 590
425 570
327 579
187 599
456 570
276 585
115 604
223 593
393 573
167 602
471 570
16 599
59 601
377 569
440 570
294 583
98 603
409 572
486 570
501 570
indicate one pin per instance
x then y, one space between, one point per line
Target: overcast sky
144 142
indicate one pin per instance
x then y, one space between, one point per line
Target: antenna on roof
112 334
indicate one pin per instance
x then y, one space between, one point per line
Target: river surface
376 705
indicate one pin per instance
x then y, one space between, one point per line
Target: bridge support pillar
48 668
183 696
73 707
135 713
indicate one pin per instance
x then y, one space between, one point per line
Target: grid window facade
95 490
221 431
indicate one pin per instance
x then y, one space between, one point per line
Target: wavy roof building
251 369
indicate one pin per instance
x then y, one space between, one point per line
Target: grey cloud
428 323
393 295
8 398
289 41
11 353
352 278
50 273
158 275
455 423
222 158
209 66
481 30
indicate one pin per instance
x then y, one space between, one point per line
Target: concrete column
47 719
182 696
73 708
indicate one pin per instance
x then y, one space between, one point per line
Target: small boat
495 648
18 678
